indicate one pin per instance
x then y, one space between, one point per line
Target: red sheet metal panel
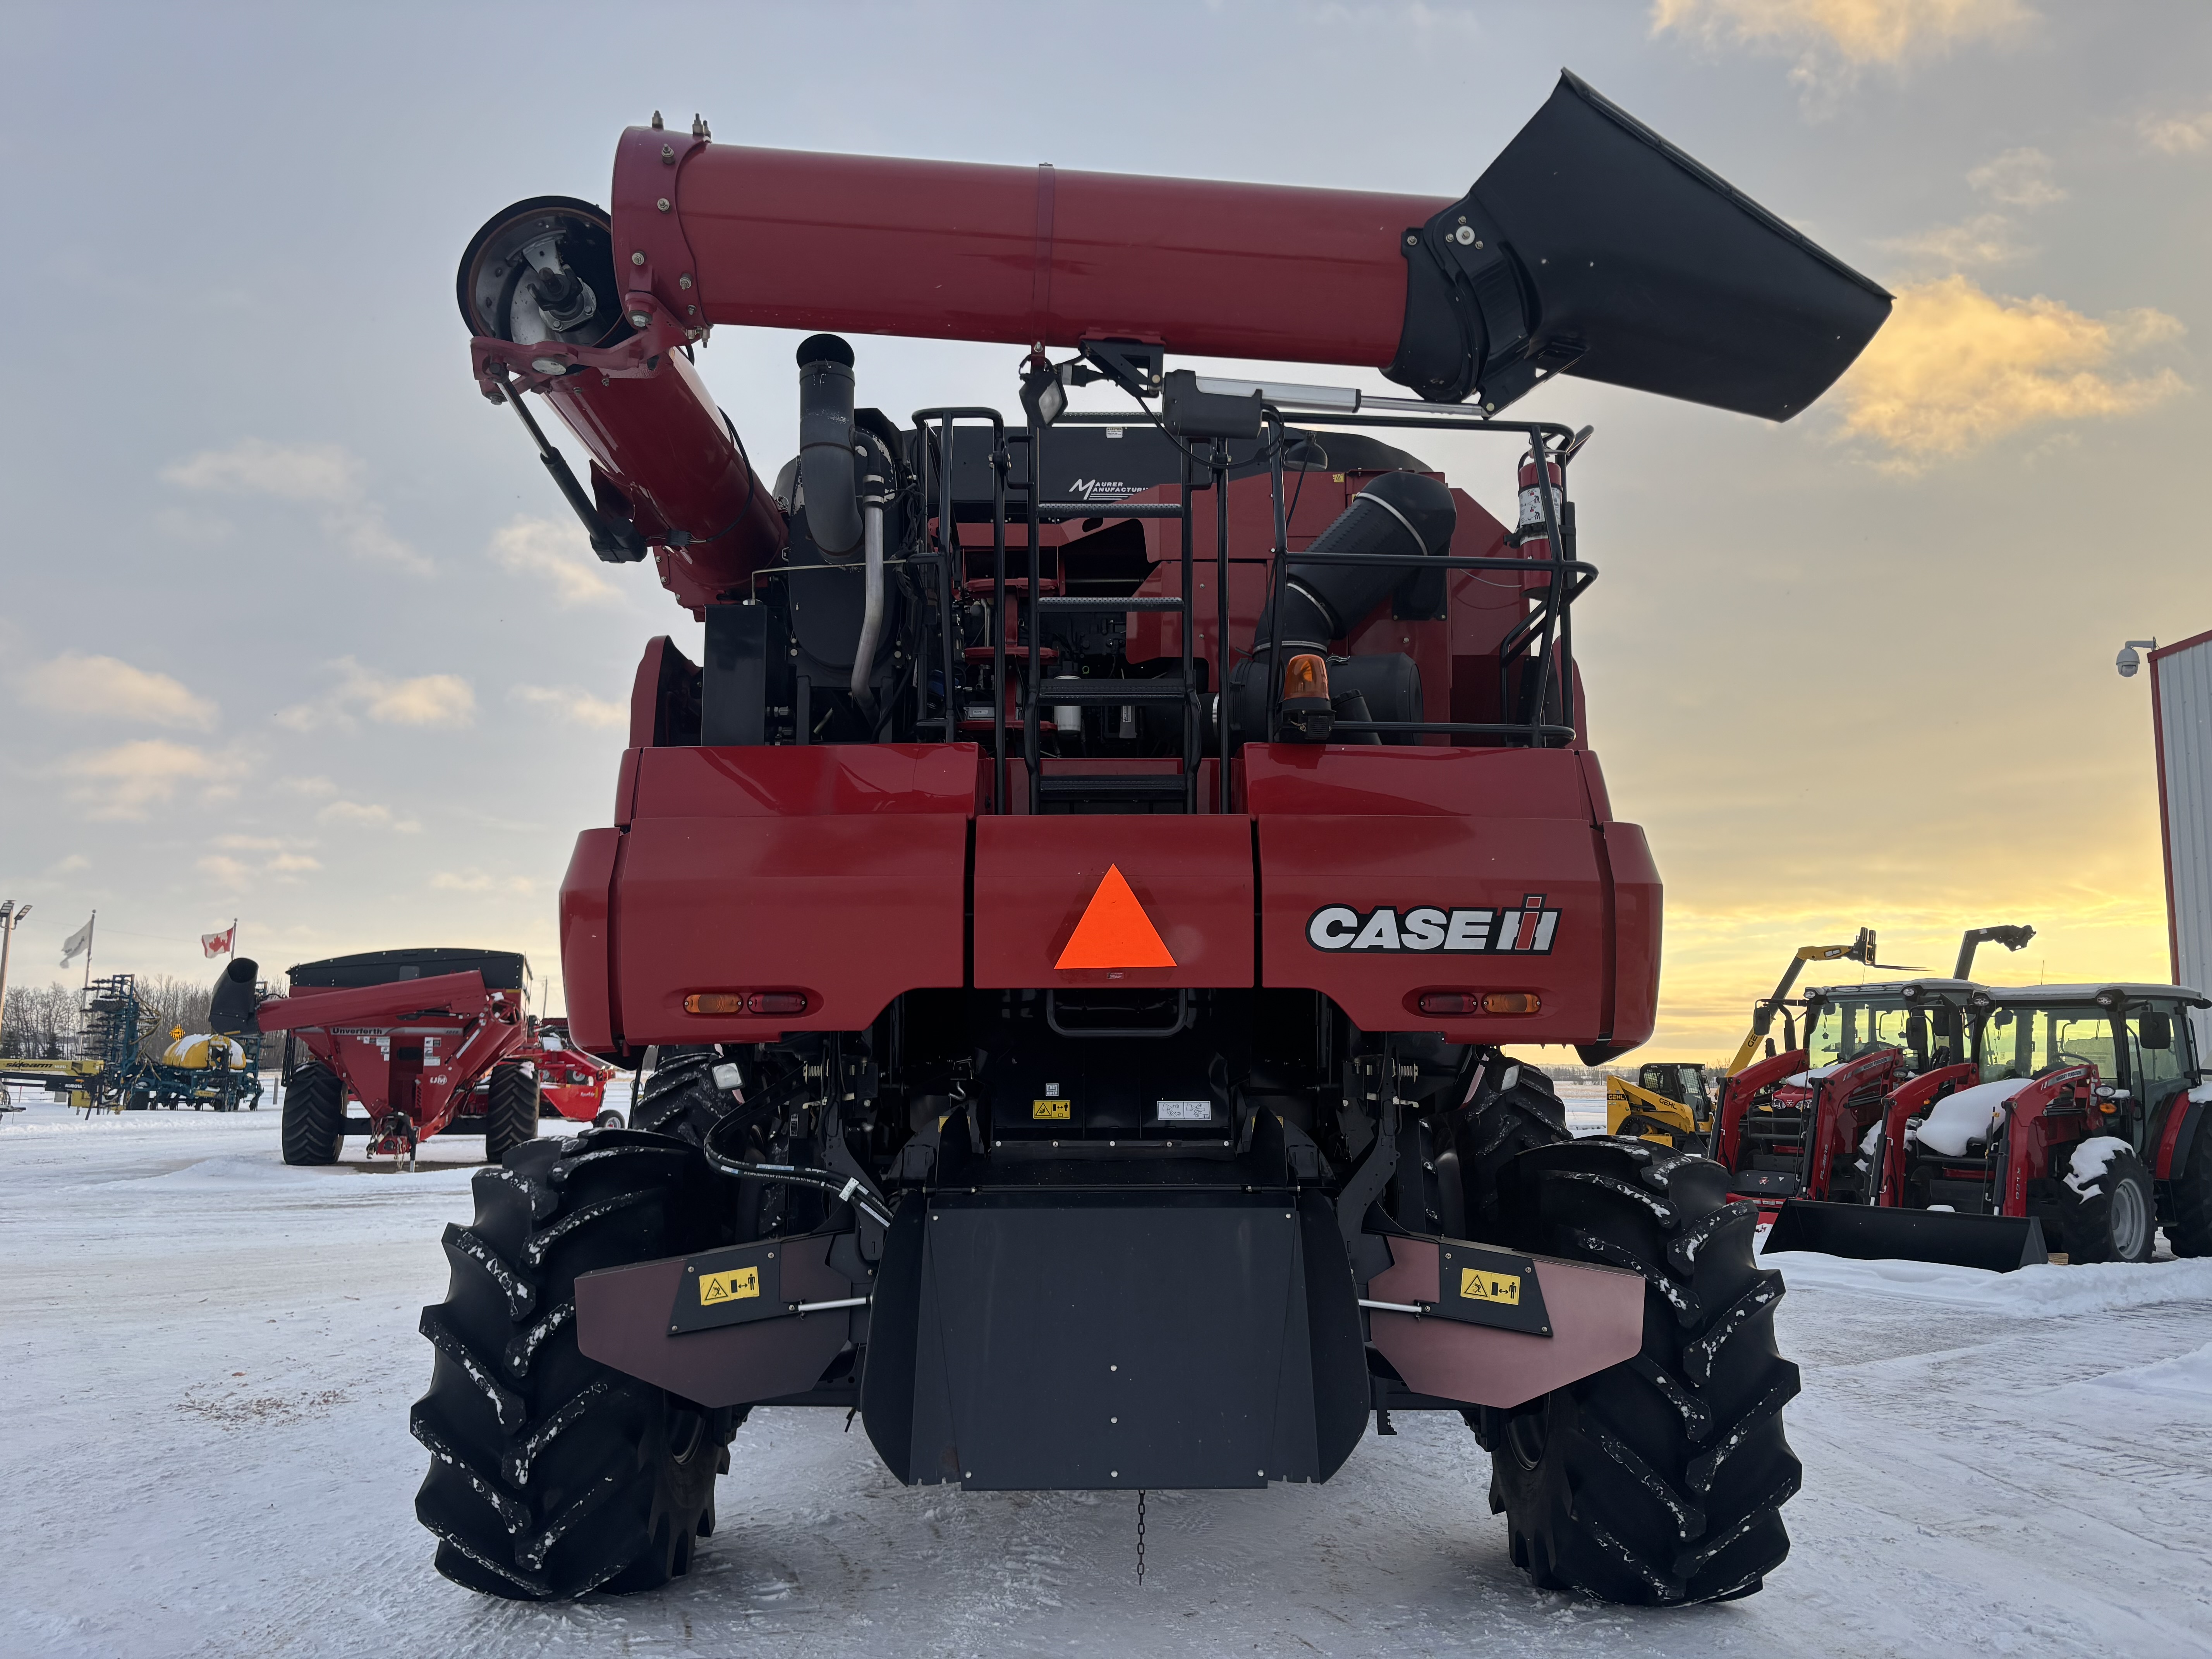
1036 877
849 911
1375 912
586 954
806 781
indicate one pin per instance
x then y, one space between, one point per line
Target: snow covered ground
208 1359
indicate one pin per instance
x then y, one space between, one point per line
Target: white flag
76 943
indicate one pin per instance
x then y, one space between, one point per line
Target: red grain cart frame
411 1050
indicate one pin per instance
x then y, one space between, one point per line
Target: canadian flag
217 944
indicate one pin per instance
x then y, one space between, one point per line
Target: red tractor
1796 1124
427 1042
2073 1125
1079 897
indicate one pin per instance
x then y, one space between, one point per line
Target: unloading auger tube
1146 1123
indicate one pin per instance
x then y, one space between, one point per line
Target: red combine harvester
409 1035
1080 895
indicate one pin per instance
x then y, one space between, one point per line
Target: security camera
2127 662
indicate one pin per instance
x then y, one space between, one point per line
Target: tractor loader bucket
1862 1232
1636 265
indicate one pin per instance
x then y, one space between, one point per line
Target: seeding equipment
1080 895
409 1035
2071 1125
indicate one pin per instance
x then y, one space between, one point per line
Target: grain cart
2073 1126
1080 895
407 1035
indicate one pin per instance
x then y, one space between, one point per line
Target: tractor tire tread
1659 1480
552 1475
313 1126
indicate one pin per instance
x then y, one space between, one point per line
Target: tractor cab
1922 1019
1803 1131
2137 1039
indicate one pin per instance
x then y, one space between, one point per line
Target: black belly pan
1113 1340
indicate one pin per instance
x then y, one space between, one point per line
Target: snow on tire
1661 1480
2110 1214
552 1475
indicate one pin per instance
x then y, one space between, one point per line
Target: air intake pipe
1400 513
826 469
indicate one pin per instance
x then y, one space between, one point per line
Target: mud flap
1863 1232
1034 1340
650 1322
1591 1318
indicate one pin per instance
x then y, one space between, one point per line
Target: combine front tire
552 1475
2112 1216
314 1127
1661 1480
510 1112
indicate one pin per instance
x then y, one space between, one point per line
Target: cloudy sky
293 629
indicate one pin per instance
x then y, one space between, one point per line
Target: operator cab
1922 1018
2138 1037
1683 1084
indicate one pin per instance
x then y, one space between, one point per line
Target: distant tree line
43 1022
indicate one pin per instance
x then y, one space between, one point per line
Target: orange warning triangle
1114 932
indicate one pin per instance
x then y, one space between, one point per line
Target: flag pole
91 922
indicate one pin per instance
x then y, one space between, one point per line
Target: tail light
1461 1004
745 1002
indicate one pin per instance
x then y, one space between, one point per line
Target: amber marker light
715 1002
1458 1004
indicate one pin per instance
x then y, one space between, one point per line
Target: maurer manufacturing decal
1526 932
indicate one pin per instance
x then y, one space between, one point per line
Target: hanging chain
1141 1536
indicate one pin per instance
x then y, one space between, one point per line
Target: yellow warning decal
734 1286
1044 1111
1476 1286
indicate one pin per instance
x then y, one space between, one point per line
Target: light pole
11 913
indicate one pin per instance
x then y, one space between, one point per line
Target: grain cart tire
552 1475
681 1099
510 1112
2191 1231
2110 1217
1661 1480
314 1127
1510 1122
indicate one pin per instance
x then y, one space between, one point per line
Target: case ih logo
1525 932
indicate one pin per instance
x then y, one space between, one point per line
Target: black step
1167 689
1086 602
1112 509
1111 785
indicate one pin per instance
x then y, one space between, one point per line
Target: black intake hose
826 469
1399 512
